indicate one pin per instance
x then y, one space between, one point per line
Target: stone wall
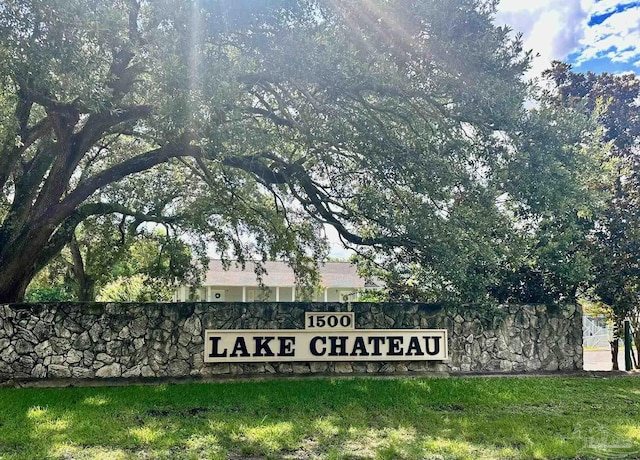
90 340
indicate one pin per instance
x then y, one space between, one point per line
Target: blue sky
595 35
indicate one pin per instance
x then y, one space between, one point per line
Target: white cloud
604 6
616 38
551 28
555 29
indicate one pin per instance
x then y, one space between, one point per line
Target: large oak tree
257 121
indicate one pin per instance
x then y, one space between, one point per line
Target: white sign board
326 337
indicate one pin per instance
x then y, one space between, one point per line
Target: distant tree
95 247
522 236
136 288
615 101
50 285
99 258
100 253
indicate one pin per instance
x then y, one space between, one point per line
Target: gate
596 333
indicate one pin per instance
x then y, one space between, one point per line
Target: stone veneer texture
94 340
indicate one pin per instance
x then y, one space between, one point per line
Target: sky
592 35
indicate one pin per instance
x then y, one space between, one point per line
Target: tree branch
278 120
77 267
128 167
100 123
49 102
10 154
253 164
314 198
66 230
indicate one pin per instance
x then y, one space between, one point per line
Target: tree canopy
253 123
613 100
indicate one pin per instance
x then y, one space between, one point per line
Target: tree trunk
636 355
86 289
614 352
634 317
85 284
20 261
12 287
14 278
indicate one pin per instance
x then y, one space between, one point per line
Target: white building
339 282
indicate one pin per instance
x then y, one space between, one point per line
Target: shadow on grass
359 418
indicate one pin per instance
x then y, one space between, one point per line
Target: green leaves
614 244
246 126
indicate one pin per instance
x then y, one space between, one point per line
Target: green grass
324 418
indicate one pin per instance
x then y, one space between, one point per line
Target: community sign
326 337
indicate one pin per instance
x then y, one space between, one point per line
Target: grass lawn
327 418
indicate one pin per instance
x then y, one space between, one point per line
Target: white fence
596 332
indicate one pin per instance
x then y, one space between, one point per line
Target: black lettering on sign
359 347
239 346
414 347
287 346
395 345
215 342
436 345
376 344
314 346
338 346
262 346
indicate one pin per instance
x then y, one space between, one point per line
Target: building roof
279 274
